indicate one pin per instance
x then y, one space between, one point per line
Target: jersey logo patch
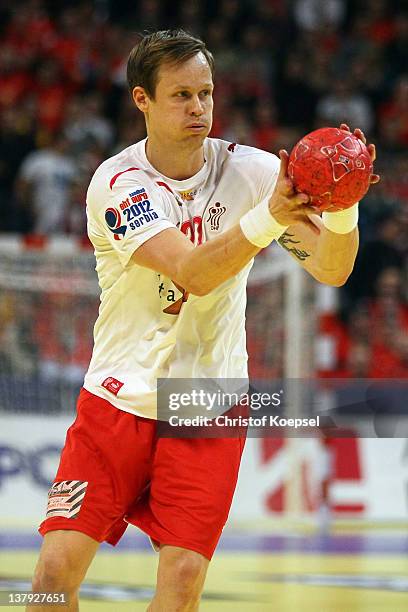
65 498
137 209
113 220
215 215
112 385
133 212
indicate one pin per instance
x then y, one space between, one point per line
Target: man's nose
197 107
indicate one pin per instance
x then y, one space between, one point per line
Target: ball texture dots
332 166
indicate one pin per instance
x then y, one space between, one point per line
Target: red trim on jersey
161 184
114 178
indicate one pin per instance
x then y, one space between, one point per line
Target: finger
372 151
305 210
375 178
310 210
344 126
300 199
360 135
286 186
284 157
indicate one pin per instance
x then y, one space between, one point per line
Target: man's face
183 104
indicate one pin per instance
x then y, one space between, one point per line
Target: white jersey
146 329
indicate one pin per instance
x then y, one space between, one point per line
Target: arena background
315 522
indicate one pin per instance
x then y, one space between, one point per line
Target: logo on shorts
216 212
112 385
65 498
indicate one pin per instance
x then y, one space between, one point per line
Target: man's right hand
286 205
200 270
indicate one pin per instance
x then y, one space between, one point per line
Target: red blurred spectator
68 44
394 116
388 310
30 31
336 340
265 131
359 362
401 368
52 94
381 28
15 82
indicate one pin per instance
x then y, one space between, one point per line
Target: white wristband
260 227
342 221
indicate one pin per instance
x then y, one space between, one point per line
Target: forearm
326 254
224 257
200 270
212 263
335 256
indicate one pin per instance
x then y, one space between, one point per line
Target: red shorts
114 470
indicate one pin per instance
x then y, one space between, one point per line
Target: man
43 186
172 306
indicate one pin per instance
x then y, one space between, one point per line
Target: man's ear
140 98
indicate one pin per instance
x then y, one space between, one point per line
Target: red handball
332 166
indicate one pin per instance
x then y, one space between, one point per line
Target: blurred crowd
283 67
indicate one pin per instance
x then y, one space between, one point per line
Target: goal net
48 304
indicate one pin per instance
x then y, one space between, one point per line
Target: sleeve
129 214
265 174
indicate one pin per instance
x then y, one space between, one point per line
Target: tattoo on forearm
286 240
